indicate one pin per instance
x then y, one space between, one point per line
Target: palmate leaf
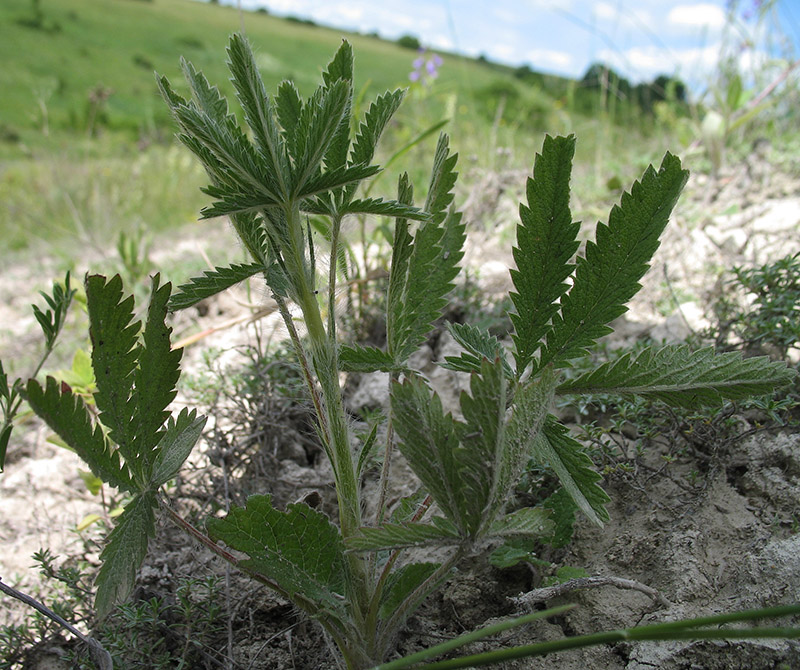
607 275
546 243
299 549
554 447
125 549
212 282
67 416
115 351
679 376
402 535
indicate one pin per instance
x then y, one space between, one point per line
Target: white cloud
549 58
602 10
643 63
702 15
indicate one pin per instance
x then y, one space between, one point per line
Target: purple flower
426 69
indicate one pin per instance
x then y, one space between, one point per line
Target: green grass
75 172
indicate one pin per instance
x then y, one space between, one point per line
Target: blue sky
641 38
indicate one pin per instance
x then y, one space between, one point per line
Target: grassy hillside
78 66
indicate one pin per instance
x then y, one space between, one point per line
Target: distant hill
78 66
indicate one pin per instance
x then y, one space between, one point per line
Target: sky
638 38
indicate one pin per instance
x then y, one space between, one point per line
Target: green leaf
124 552
398 536
5 436
212 282
563 516
299 549
429 441
369 132
331 179
357 358
52 319
67 416
115 351
546 243
258 110
380 207
289 107
607 275
5 389
402 583
422 275
679 376
316 130
156 376
555 448
479 344
515 551
443 179
367 449
527 522
176 444
340 69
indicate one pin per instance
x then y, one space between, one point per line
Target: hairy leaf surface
546 243
357 358
115 351
212 282
554 447
176 443
528 522
607 275
398 536
679 376
124 551
67 416
479 344
402 583
300 549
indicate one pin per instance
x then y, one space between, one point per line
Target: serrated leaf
115 350
408 507
233 201
398 536
679 376
125 549
367 449
528 522
429 441
331 179
176 443
607 275
156 376
258 110
212 282
289 107
402 583
67 416
299 549
340 69
563 517
443 179
555 448
356 358
479 344
379 207
378 115
206 96
546 243
513 552
316 130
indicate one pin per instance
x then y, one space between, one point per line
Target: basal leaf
156 376
607 275
402 583
679 376
67 416
555 448
357 358
176 443
115 352
398 536
563 517
125 549
299 549
212 282
546 243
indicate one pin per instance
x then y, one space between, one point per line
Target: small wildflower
426 68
